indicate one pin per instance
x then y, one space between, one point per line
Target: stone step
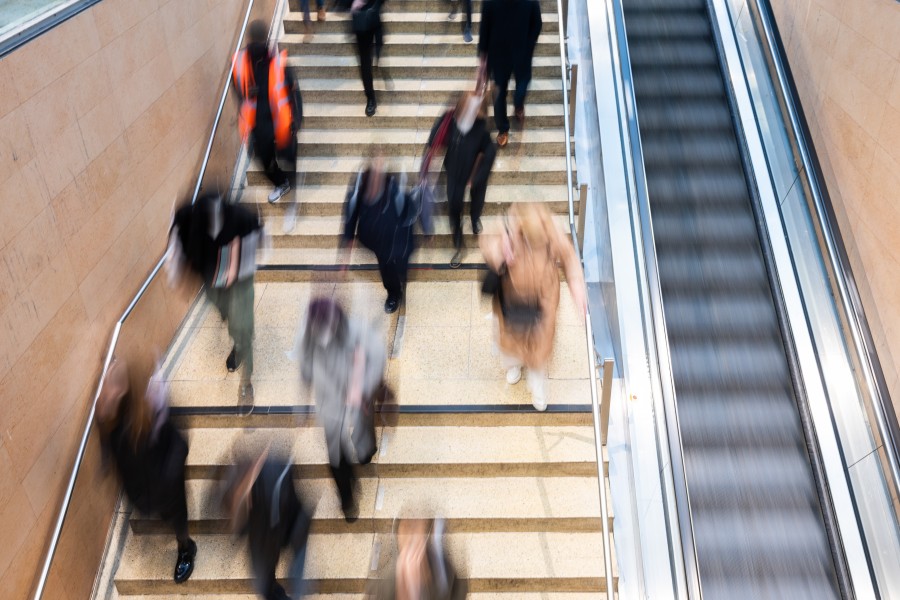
415 451
410 115
328 200
433 22
508 169
411 142
422 67
327 232
506 504
399 44
540 91
342 563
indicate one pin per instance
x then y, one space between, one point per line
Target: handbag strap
440 139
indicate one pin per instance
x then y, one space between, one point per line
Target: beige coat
538 248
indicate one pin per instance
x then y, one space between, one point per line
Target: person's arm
296 97
564 252
485 161
484 30
351 210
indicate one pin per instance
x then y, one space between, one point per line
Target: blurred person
467 24
262 504
375 212
343 360
470 155
506 41
149 455
271 108
320 14
421 570
218 241
369 32
523 259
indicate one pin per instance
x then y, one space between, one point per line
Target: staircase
518 488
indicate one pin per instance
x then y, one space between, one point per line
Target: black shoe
232 362
350 510
185 565
456 261
370 108
391 305
476 226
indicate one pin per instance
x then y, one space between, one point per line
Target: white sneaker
537 383
513 375
278 192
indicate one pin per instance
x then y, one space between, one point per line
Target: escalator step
728 365
648 25
697 151
678 53
675 116
676 83
697 317
710 271
656 6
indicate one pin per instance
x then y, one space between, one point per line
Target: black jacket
153 473
277 518
463 150
509 32
201 250
378 225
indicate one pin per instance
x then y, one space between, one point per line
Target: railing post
573 88
605 398
582 212
564 26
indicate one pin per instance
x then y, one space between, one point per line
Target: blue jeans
304 6
501 86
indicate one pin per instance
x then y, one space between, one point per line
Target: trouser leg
298 543
478 193
393 276
364 46
521 89
240 324
501 85
264 150
288 156
455 195
343 480
468 7
304 6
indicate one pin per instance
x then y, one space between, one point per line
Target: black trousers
365 44
501 87
393 275
268 155
344 478
265 560
456 192
467 5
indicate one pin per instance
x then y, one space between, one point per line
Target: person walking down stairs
506 41
470 154
344 361
217 241
149 454
320 14
261 502
524 282
271 109
369 31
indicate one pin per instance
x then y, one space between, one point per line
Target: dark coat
463 150
201 250
377 225
259 60
509 32
153 472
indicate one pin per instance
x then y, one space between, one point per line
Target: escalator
757 517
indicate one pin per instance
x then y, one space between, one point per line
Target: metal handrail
662 378
79 457
589 331
841 276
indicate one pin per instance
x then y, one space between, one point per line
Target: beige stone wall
103 122
845 59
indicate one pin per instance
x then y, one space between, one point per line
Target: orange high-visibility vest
279 97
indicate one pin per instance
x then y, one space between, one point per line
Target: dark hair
258 32
323 312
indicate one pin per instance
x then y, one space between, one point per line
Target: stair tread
398 39
436 16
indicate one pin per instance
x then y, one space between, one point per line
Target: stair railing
82 446
600 413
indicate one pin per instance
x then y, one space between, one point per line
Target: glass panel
879 522
768 112
846 398
16 13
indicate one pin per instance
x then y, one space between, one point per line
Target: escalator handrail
589 333
79 457
886 418
662 377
